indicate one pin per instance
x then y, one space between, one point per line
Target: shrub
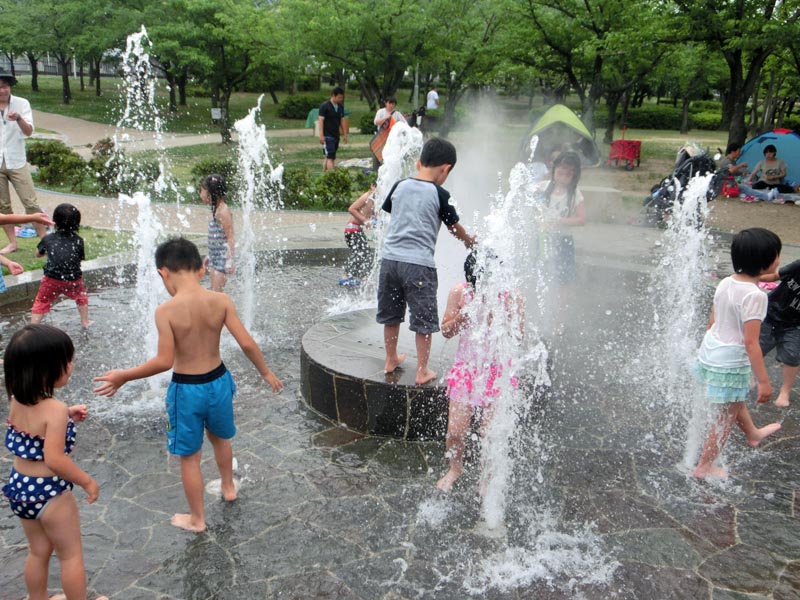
363 178
700 106
655 117
296 190
792 122
120 173
706 120
366 124
308 83
332 190
298 106
41 153
57 164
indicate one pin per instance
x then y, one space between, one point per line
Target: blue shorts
196 403
28 495
330 147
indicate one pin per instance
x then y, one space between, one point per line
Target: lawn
98 242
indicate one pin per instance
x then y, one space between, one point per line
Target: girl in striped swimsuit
220 231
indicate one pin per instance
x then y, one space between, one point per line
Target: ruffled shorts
724 385
463 384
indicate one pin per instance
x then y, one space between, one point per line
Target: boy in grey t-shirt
418 206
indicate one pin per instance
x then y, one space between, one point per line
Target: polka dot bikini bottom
28 495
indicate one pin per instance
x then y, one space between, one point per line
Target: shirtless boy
189 327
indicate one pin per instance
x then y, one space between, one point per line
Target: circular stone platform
342 378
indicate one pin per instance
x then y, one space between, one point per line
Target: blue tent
788 144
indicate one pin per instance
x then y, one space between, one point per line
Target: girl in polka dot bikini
41 434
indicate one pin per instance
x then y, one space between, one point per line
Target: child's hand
15 268
79 412
92 490
273 382
230 266
112 381
764 392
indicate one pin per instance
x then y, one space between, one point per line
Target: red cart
625 150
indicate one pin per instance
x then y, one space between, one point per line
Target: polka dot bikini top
31 447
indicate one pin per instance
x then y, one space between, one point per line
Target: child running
41 435
470 369
213 190
359 262
730 353
200 396
62 271
418 206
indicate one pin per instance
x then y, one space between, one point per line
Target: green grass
98 242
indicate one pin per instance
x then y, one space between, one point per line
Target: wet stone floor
598 509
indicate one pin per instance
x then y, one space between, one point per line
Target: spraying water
259 181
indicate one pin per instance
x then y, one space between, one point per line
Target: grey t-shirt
418 209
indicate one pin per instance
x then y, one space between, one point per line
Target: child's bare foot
186 522
762 433
9 249
391 364
424 376
446 483
712 471
87 324
782 401
230 492
58 597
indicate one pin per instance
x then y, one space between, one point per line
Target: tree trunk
173 98
80 75
97 91
685 116
273 95
224 123
34 72
183 78
612 101
769 104
66 94
10 57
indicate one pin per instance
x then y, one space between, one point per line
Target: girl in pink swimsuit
470 387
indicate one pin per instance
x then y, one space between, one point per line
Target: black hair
35 358
178 254
216 187
391 99
437 152
471 271
566 159
337 91
732 147
770 148
67 217
754 250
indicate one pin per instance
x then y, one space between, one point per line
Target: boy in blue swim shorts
200 396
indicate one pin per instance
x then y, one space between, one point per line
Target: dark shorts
330 147
786 338
401 284
196 403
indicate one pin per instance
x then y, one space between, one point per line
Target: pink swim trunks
462 379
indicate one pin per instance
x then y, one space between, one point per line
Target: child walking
200 396
213 191
418 206
41 435
730 353
781 327
359 262
62 271
466 390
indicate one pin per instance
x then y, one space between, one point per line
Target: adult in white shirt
16 123
433 99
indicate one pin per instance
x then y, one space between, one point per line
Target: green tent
560 129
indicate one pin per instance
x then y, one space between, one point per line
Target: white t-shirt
433 99
12 140
735 303
558 204
381 114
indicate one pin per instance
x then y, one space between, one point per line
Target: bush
296 188
366 124
706 120
792 122
655 117
332 190
119 173
363 178
57 164
308 83
707 106
298 106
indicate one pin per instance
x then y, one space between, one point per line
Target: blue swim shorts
28 495
196 403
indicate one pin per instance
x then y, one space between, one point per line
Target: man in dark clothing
331 114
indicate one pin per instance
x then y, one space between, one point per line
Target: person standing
331 114
16 124
433 99
384 120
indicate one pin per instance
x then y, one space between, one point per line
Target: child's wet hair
753 250
470 268
67 217
437 152
178 254
35 358
216 187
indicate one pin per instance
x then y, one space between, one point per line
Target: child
220 231
730 352
358 263
408 272
62 271
781 327
464 389
189 327
41 435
